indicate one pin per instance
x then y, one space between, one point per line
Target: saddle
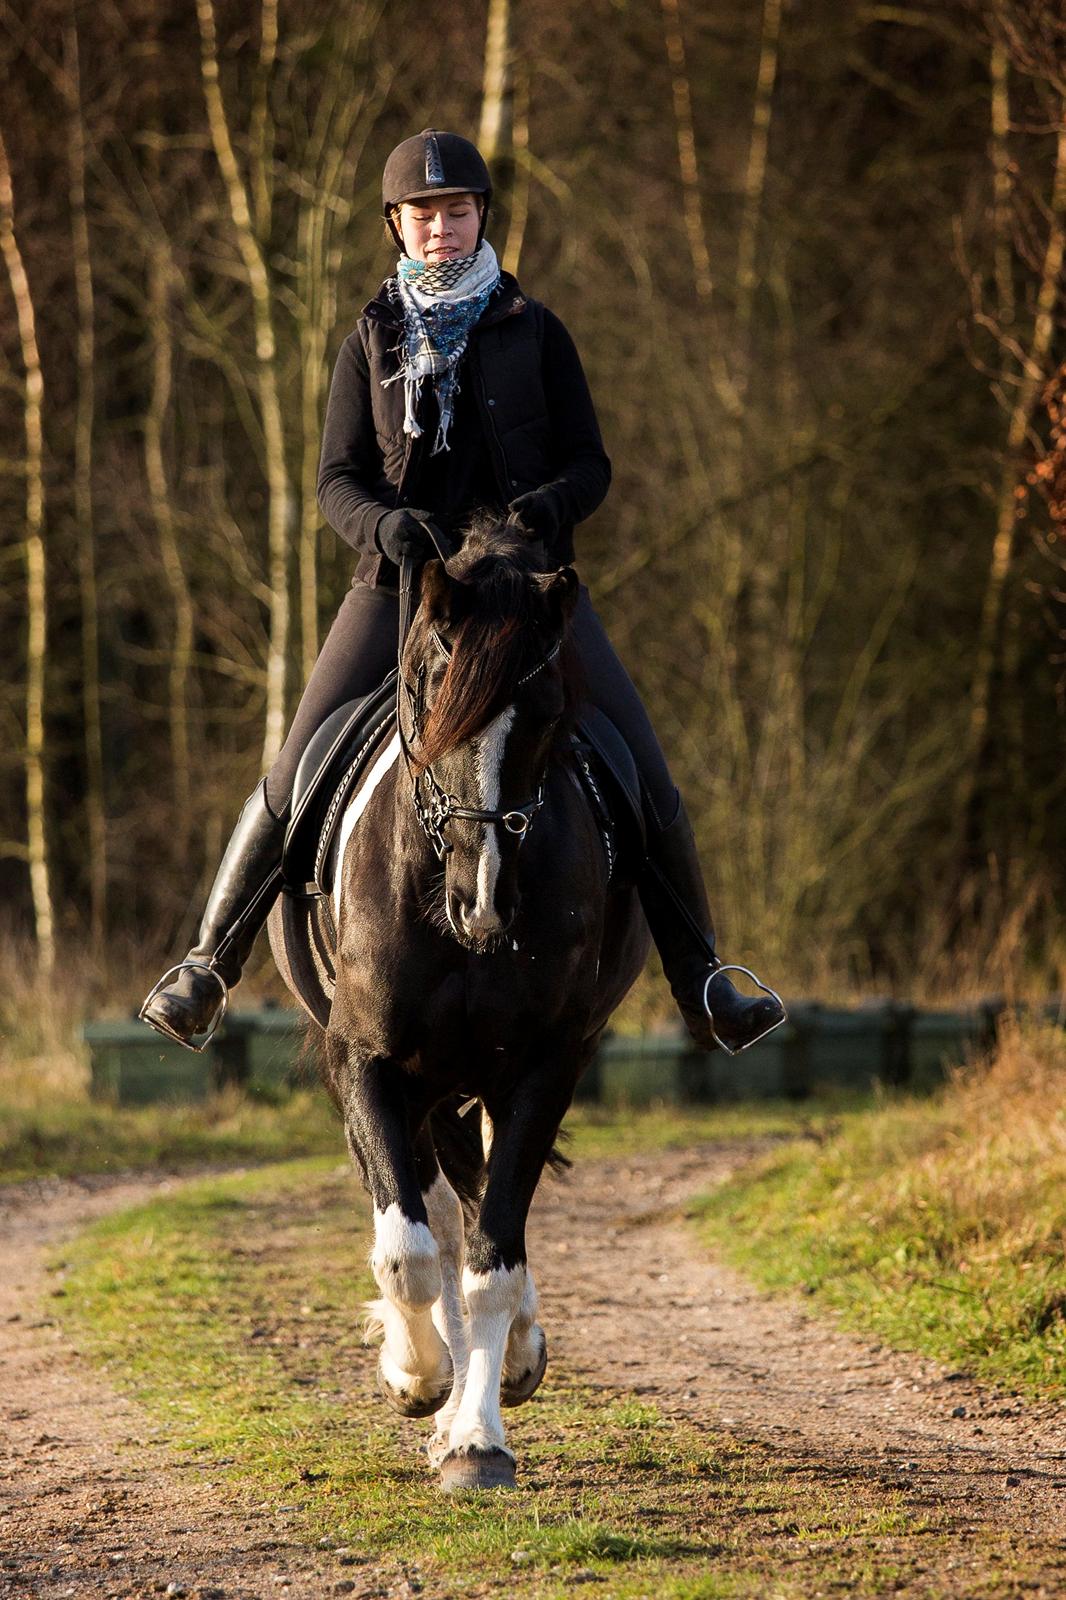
341 752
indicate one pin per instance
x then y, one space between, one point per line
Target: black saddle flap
333 761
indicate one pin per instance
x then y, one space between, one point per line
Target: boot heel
161 1025
736 1050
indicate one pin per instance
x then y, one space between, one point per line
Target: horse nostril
480 922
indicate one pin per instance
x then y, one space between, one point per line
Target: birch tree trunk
36 581
280 496
95 808
687 155
180 666
999 69
497 99
755 176
1034 360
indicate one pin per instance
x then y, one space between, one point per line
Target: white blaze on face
490 749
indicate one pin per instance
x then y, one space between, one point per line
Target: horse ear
436 591
560 590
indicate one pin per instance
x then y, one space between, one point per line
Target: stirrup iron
169 1033
765 987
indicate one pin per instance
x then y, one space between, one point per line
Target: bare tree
280 497
1024 338
83 491
36 581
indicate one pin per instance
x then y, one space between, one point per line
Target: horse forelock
489 645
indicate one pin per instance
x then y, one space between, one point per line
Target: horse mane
489 647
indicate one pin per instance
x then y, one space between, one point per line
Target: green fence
820 1047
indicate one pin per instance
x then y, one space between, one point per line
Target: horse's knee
494 1296
405 1259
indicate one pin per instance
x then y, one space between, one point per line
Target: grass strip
232 1312
937 1225
82 1136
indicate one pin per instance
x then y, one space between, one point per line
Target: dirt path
628 1302
633 1305
82 1514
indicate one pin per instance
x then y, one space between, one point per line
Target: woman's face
442 228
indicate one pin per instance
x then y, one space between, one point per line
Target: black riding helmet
434 163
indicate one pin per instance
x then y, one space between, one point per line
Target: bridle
438 806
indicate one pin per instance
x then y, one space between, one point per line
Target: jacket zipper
500 460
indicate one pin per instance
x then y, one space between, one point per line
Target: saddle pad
329 768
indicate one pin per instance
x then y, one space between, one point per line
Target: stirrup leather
168 1032
765 987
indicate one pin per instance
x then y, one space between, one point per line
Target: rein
440 807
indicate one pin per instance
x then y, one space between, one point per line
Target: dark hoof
476 1469
409 1404
516 1391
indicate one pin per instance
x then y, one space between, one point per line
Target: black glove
402 533
538 513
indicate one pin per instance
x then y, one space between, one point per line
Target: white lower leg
406 1265
525 1341
446 1220
493 1300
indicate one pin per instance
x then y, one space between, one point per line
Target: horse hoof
414 1401
516 1391
476 1469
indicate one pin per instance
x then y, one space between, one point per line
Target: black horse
481 944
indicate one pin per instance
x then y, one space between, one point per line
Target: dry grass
939 1224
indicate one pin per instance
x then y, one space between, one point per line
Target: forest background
812 256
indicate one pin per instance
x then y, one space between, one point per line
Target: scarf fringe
437 326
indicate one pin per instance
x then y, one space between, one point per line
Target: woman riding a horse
456 394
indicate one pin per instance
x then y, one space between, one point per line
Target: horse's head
486 690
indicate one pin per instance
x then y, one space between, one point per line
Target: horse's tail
461 1150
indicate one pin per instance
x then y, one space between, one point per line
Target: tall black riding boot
675 903
246 885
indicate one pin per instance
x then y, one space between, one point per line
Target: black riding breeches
360 649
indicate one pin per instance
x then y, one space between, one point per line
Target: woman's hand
402 534
537 513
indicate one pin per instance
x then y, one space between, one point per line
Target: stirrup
168 1032
766 989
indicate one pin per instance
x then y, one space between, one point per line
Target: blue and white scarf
441 301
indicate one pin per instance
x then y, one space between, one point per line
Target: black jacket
531 399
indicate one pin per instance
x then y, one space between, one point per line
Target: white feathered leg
446 1221
493 1301
414 1367
526 1357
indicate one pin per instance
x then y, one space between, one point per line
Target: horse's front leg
507 1351
414 1367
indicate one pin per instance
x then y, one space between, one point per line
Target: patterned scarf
441 301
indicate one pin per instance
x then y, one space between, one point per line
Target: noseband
439 807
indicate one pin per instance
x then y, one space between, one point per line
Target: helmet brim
428 194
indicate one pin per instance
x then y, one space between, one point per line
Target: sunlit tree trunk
1034 362
155 419
497 95
280 498
83 499
343 115
520 186
755 176
687 153
36 582
999 70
